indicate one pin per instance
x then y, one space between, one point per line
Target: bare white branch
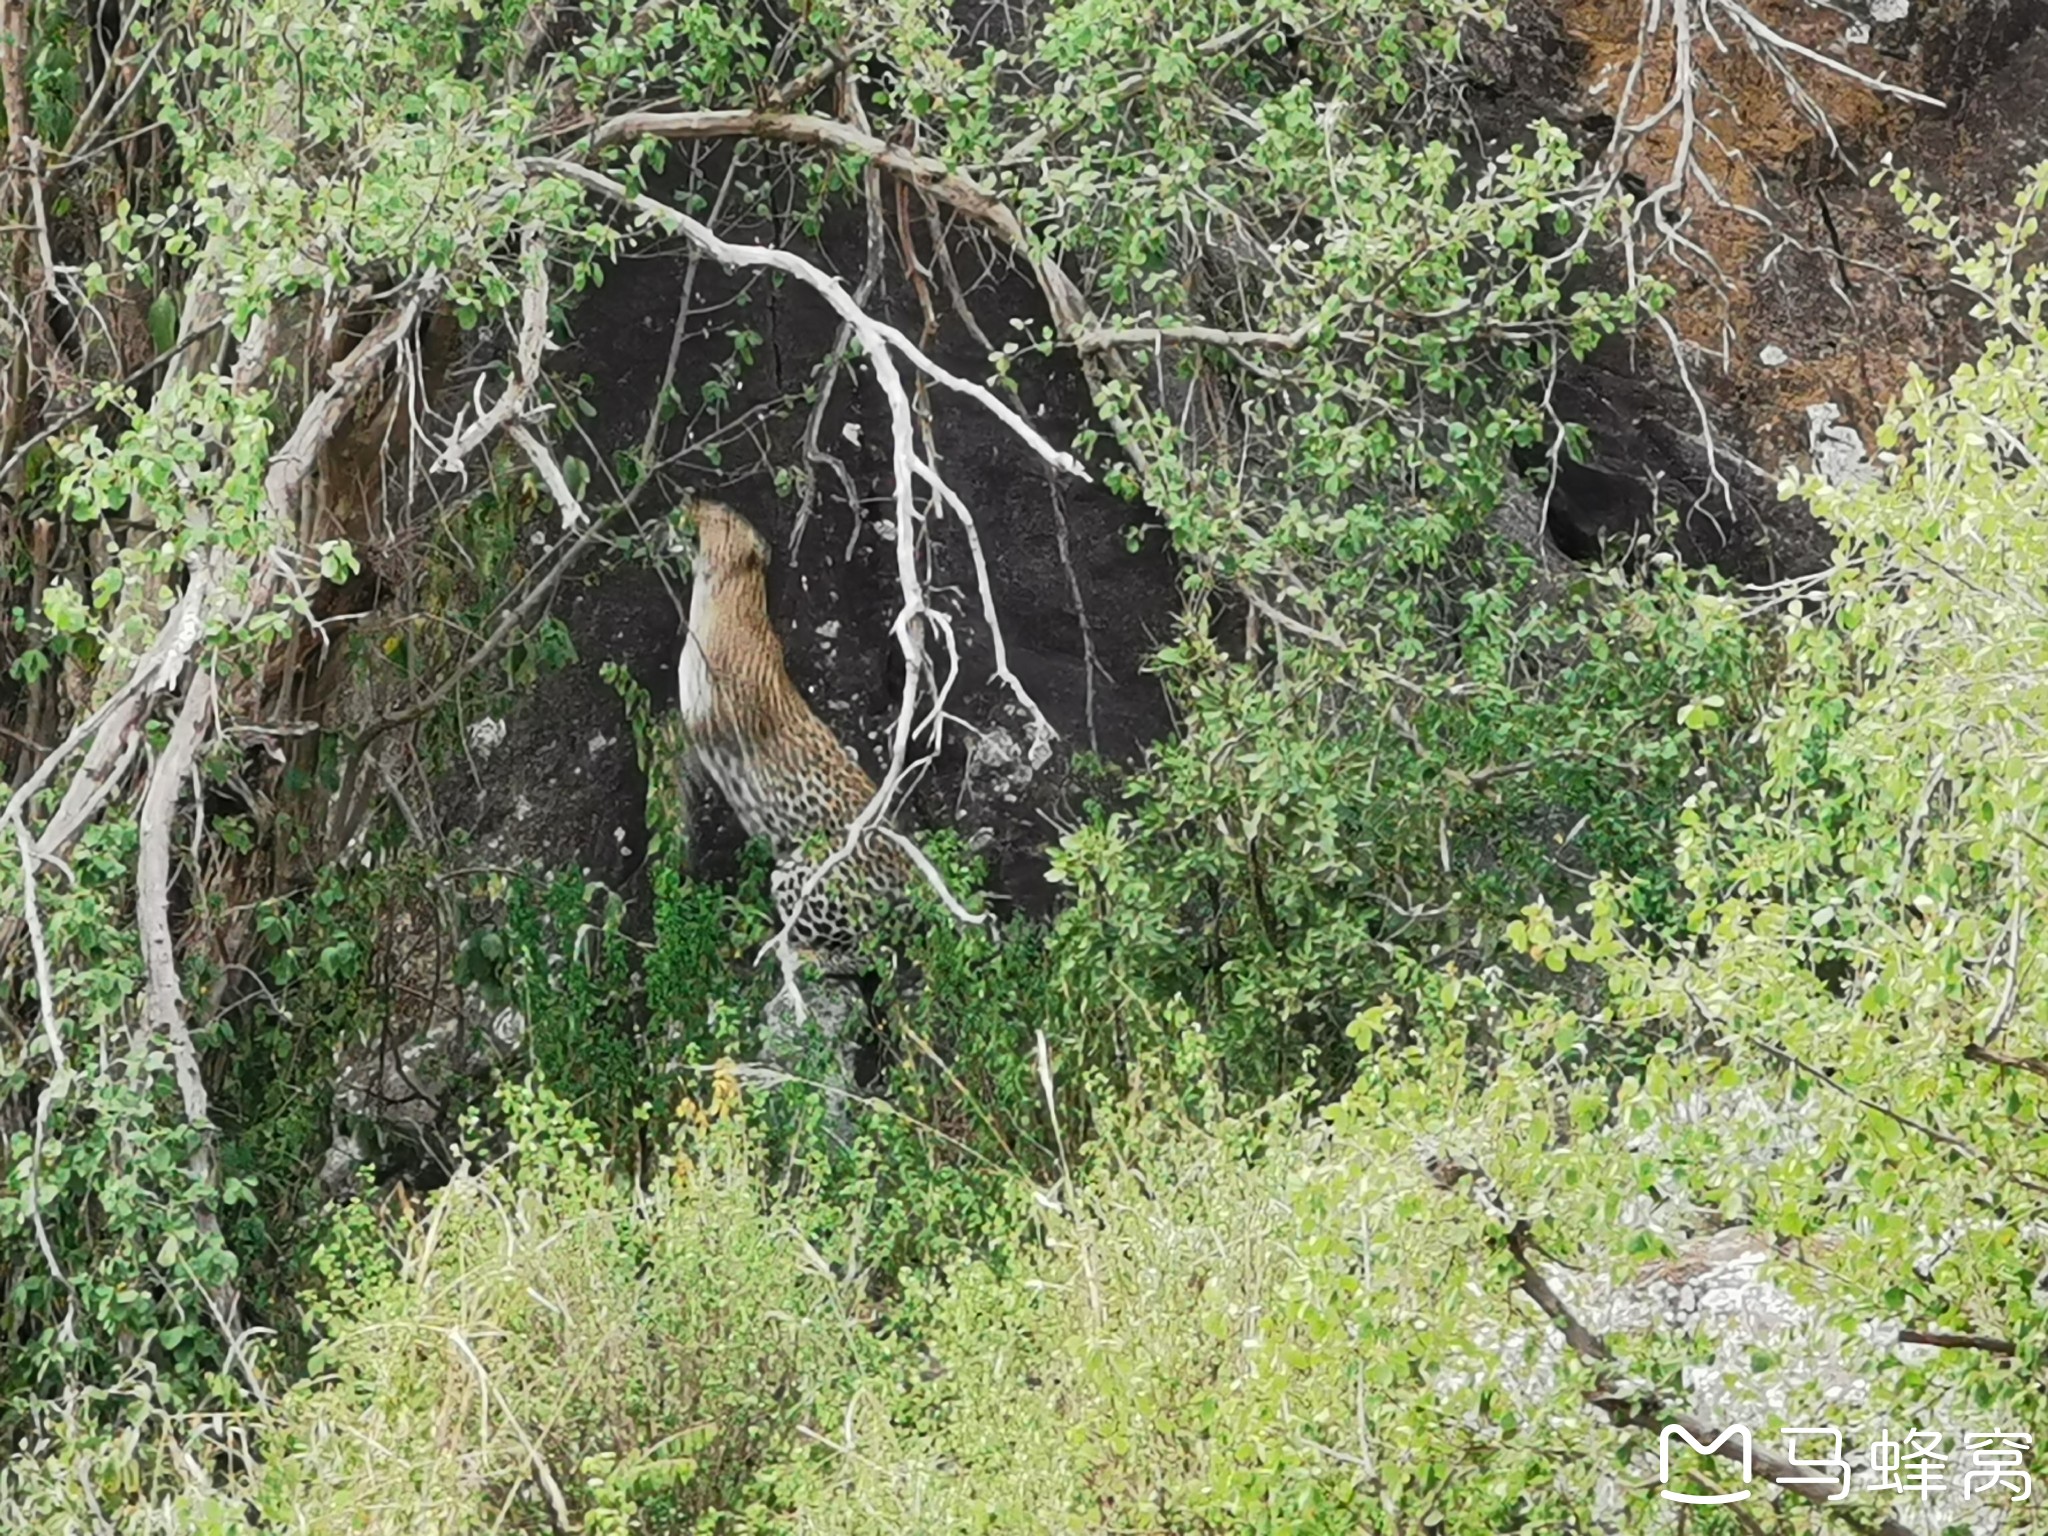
882 344
511 409
60 1070
542 458
925 867
1763 34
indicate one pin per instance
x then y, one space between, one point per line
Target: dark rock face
1083 588
557 781
1824 296
1819 331
1968 45
1651 458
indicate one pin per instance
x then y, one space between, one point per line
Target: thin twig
1070 311
1932 1133
1978 1341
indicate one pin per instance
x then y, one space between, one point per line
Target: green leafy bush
1335 825
1864 928
1218 1330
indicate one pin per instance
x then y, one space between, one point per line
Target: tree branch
1103 339
1626 1404
542 458
1985 1056
60 1069
1070 312
882 344
163 1001
1983 1341
324 413
511 406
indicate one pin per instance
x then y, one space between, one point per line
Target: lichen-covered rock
808 1034
396 1093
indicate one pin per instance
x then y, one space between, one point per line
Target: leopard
786 775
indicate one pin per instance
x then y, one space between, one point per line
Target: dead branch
163 1001
882 345
163 1008
1070 312
59 1080
112 735
511 407
933 878
542 458
1686 26
1630 1405
1978 1341
1068 308
1101 340
1751 24
97 768
324 414
111 728
1042 728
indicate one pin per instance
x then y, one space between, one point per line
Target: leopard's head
726 542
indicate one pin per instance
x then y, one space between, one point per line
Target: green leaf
163 320
65 610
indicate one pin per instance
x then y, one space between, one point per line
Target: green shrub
615 1024
1340 822
135 1471
551 1339
1858 1003
1251 1326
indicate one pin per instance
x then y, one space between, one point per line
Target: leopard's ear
746 534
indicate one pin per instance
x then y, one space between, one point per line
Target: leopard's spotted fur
779 766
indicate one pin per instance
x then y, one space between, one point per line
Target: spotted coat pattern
779 767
